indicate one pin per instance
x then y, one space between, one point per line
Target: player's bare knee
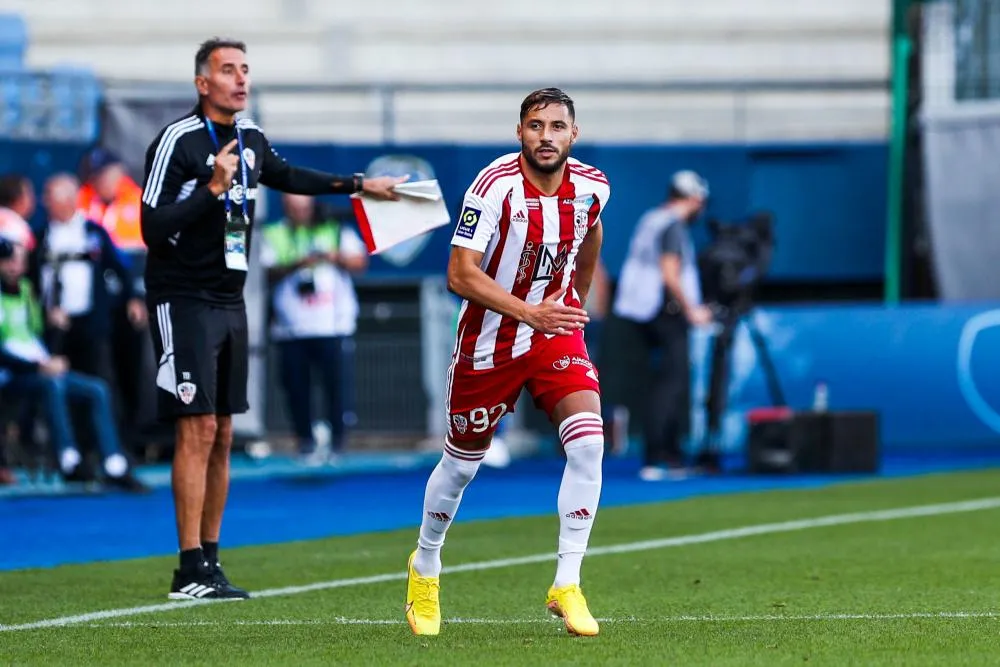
584 401
196 435
223 434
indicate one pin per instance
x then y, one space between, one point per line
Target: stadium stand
307 46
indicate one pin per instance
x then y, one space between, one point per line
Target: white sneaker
116 465
498 455
652 474
69 460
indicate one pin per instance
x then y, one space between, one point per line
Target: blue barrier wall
930 371
829 199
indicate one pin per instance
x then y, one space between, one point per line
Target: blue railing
55 105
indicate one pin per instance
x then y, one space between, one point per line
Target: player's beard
545 168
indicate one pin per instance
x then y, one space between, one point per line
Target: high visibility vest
122 217
292 244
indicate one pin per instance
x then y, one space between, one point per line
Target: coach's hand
553 317
382 187
225 167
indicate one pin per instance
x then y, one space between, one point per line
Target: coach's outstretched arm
469 281
277 173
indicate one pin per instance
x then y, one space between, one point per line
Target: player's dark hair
543 98
12 187
210 46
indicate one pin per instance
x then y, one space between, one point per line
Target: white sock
441 500
582 436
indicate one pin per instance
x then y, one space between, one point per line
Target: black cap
96 160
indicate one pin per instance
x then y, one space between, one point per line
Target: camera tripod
718 391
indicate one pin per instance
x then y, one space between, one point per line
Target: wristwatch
359 182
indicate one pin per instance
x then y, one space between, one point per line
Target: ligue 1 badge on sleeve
418 169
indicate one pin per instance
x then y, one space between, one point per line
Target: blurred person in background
17 206
310 259
657 302
70 263
36 373
113 200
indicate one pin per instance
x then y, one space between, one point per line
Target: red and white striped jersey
529 243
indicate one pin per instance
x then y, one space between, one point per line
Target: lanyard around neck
243 169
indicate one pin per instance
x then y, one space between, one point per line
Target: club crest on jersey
186 392
237 193
249 157
581 223
467 222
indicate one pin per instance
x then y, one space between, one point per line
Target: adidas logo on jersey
519 217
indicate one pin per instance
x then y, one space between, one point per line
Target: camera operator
657 301
310 257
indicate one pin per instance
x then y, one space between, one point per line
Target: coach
201 178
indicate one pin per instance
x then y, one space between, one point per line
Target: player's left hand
382 187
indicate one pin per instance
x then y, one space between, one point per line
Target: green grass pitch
898 588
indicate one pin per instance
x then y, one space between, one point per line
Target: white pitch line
942 615
631 547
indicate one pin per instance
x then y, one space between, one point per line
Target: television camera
732 268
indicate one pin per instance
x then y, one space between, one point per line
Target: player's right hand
551 316
224 169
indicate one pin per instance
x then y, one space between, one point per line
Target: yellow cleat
569 604
423 607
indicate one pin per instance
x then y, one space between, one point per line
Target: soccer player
202 173
523 255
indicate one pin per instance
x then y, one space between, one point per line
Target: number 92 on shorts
478 399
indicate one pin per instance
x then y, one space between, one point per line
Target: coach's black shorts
202 353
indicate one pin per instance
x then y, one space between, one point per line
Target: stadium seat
316 42
13 41
75 94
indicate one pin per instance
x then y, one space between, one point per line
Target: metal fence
64 105
609 111
977 49
49 106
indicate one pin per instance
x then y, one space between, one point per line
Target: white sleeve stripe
160 150
164 152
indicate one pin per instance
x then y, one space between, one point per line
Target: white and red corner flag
384 224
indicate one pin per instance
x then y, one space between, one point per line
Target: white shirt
640 292
331 311
76 277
